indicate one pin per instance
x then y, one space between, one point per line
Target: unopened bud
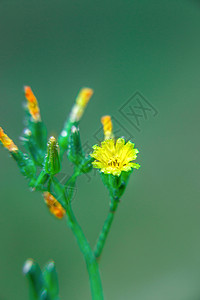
107 127
34 274
81 102
32 104
7 142
75 153
52 159
54 206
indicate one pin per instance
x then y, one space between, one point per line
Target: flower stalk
105 230
90 260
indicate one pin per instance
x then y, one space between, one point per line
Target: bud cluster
43 283
45 155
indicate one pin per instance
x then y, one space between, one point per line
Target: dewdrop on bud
32 104
81 102
107 127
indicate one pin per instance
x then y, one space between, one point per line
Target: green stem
106 228
92 266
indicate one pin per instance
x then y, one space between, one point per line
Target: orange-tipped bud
7 142
84 96
32 104
54 206
81 102
107 127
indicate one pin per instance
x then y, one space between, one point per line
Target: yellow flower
54 206
7 142
114 157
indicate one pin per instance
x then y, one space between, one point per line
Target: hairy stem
105 230
92 266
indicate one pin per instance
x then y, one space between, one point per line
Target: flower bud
36 281
35 135
54 206
25 164
75 153
52 160
31 145
38 135
7 142
32 104
51 279
107 127
81 102
76 113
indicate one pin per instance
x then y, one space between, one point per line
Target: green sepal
125 176
52 158
115 181
116 184
51 278
106 181
74 150
36 281
25 164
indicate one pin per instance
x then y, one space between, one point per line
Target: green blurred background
117 48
